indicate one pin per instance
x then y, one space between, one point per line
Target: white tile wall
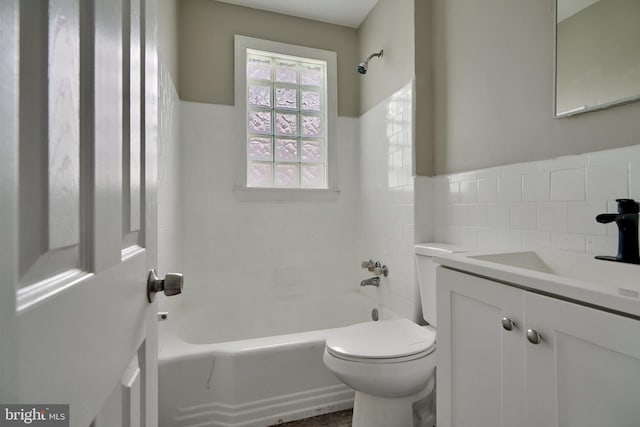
523 216
498 215
634 179
387 230
550 203
535 187
568 184
552 216
510 188
234 249
478 214
603 180
468 192
488 189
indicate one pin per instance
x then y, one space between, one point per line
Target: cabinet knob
533 336
508 324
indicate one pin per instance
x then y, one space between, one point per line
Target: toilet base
374 411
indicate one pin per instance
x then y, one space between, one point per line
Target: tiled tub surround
249 268
386 208
263 250
550 203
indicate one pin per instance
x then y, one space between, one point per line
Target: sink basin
572 265
568 274
529 260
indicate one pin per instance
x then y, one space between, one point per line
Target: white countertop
569 275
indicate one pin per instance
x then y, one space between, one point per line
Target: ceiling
349 13
567 8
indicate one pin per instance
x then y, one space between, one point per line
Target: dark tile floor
335 419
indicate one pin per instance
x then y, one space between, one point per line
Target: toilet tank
427 275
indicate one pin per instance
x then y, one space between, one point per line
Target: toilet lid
384 339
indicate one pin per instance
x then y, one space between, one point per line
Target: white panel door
480 363
78 130
585 372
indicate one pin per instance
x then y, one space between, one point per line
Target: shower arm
374 55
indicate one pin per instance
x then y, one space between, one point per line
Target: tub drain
374 314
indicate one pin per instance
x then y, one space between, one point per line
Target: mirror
597 54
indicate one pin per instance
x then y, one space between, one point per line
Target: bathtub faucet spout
374 281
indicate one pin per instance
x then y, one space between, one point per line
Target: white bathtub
247 364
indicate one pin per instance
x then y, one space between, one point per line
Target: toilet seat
380 360
385 341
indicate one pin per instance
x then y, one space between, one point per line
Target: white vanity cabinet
584 371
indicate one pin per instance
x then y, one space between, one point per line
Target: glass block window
286 121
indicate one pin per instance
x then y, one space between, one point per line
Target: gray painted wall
388 26
490 101
168 36
206 52
493 90
403 28
423 103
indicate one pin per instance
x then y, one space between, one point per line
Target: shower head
362 67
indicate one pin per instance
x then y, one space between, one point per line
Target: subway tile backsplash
568 184
549 203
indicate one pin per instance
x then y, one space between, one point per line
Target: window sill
250 194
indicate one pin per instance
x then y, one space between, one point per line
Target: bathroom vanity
538 339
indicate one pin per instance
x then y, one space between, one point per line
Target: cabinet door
480 364
585 372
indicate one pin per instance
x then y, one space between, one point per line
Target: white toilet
391 363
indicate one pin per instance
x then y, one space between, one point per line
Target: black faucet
627 221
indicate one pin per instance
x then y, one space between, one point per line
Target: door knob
171 284
508 324
533 336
